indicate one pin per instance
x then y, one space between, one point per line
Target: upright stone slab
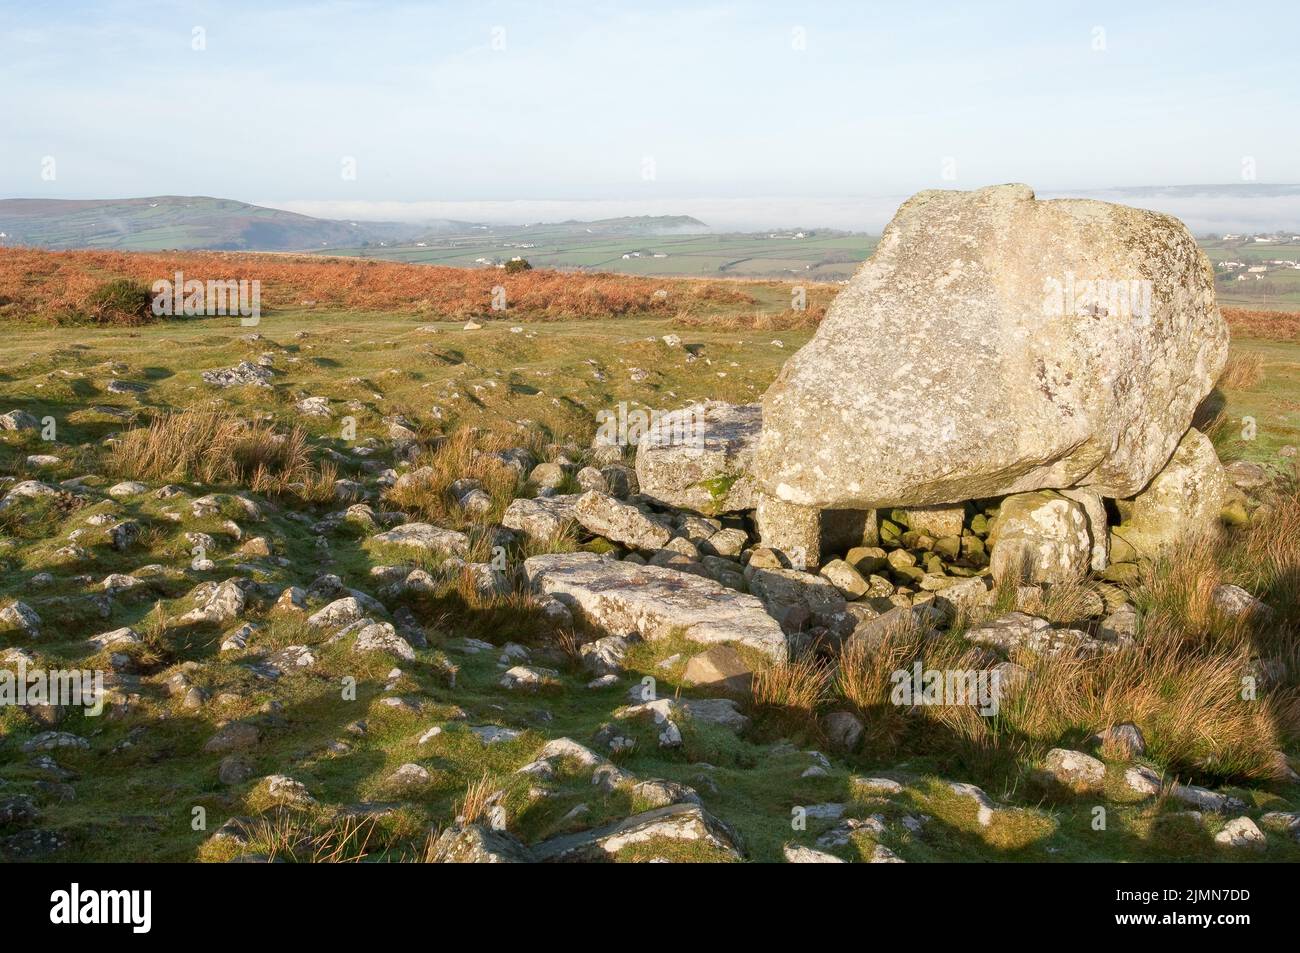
701 457
1184 501
1040 537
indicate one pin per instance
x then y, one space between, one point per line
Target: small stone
1122 741
1241 832
843 730
1074 771
720 667
1142 780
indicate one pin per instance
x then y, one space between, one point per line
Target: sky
746 113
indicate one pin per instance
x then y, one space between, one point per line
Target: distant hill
187 222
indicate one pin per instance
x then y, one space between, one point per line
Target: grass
1242 371
214 447
793 689
538 388
460 457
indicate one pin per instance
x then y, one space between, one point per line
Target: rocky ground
442 623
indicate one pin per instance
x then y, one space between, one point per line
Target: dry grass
426 491
214 447
318 484
1182 683
1267 325
1177 594
1242 371
1268 563
479 794
794 688
1062 602
300 838
867 676
1188 704
56 284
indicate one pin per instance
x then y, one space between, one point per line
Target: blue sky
572 100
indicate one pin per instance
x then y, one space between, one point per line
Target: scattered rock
684 822
602 515
1123 741
479 844
843 729
1235 601
1241 832
1142 780
543 519
720 667
19 420
1206 800
425 536
240 375
1074 771
701 457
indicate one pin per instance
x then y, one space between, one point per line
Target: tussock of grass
794 688
214 447
1065 602
473 805
303 837
459 457
1269 562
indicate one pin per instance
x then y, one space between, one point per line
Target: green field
816 257
1277 290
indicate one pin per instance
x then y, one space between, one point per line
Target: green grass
146 771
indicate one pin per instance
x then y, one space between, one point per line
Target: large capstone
997 344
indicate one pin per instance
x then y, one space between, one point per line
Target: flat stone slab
620 598
688 822
543 518
425 536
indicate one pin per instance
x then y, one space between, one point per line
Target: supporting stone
936 521
1094 508
1040 537
805 535
1184 501
792 530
